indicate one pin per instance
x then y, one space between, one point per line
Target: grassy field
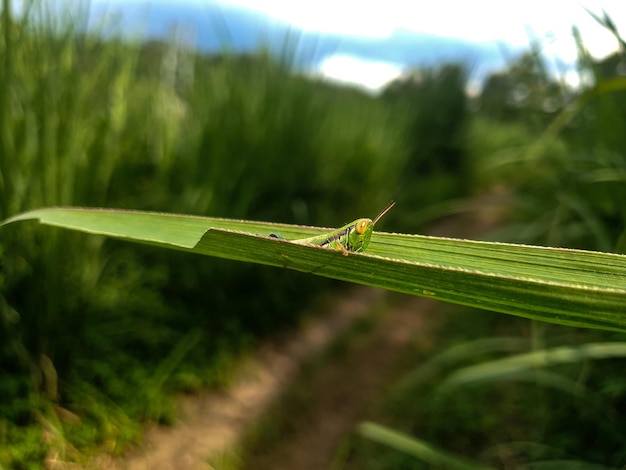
96 335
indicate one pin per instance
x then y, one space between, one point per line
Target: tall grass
95 334
435 105
567 187
64 115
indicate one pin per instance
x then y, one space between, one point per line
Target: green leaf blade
415 447
569 287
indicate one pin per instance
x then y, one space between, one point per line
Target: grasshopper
353 237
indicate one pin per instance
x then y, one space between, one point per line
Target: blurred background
310 113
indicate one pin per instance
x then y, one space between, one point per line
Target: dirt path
211 422
343 390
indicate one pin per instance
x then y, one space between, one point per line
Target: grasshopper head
359 238
361 233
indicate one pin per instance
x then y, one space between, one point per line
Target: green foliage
544 399
108 123
507 401
95 334
523 93
434 103
566 188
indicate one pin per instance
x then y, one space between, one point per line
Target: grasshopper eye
361 226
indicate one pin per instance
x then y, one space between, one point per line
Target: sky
500 25
481 21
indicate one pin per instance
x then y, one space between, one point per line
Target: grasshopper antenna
384 211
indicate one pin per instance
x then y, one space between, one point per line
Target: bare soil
343 391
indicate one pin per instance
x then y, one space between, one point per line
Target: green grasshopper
353 237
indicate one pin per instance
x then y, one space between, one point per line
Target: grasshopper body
353 237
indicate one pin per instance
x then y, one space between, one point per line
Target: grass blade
568 287
510 366
415 447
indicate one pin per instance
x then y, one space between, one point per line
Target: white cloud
348 69
511 24
514 23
